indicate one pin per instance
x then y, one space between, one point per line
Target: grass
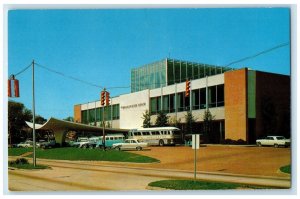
28 166
200 185
286 169
69 153
22 163
18 151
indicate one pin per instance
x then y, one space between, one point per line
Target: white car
130 144
81 142
275 141
25 144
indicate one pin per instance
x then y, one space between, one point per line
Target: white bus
157 136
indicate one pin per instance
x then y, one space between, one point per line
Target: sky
101 46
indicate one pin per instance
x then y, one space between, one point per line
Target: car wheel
161 143
118 148
139 148
84 146
259 144
276 145
26 146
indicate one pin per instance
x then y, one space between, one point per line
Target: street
89 176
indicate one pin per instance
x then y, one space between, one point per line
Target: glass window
172 103
171 73
177 72
166 105
180 101
98 113
220 95
196 72
153 105
116 112
190 71
202 98
212 96
84 118
196 99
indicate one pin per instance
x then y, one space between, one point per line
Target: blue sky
101 46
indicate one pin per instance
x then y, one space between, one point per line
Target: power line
68 76
23 70
258 54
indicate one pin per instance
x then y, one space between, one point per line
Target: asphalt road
249 165
91 176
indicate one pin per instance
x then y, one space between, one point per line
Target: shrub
19 161
234 142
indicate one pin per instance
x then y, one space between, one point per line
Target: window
172 103
116 112
202 98
166 104
220 95
146 133
180 101
196 99
155 133
212 96
153 105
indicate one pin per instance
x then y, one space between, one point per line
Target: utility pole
33 116
103 97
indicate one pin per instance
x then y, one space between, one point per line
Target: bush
234 142
19 161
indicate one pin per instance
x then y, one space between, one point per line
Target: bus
157 136
110 139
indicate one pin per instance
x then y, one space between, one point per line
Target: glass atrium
170 71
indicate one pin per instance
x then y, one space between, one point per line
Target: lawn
286 169
199 185
69 153
22 163
18 151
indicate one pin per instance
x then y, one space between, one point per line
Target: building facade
245 104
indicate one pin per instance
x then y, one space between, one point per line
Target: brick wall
235 91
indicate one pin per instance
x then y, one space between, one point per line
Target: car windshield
280 138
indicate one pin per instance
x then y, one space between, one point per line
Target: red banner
13 83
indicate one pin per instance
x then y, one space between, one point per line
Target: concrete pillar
60 135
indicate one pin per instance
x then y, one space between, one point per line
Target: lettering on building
133 105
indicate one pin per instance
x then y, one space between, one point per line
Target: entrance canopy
61 127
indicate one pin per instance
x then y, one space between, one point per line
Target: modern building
245 104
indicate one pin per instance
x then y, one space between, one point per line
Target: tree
39 119
17 115
190 122
173 122
70 119
161 120
207 121
146 119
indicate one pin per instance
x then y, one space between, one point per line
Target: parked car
44 144
26 144
275 141
82 141
130 144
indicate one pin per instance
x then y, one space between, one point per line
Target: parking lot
249 160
